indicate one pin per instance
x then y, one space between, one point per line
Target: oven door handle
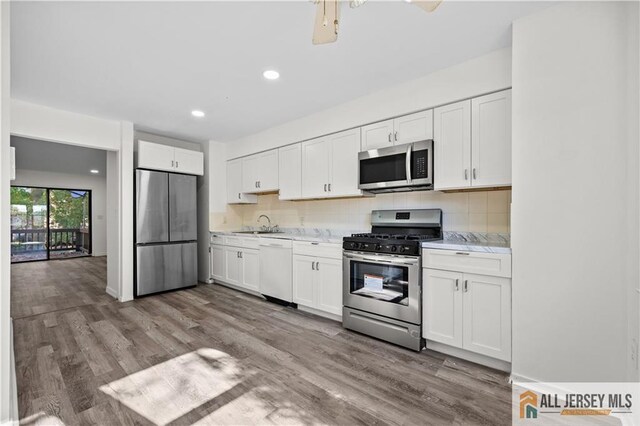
407 163
393 262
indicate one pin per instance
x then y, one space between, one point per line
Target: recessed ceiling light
94 171
197 113
271 74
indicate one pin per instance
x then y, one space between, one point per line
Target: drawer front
217 239
317 249
245 242
497 265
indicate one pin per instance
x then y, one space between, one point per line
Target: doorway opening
49 223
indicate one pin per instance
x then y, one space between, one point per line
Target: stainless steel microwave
407 167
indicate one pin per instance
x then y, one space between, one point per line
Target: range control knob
394 248
353 245
378 246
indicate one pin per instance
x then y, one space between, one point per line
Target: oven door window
386 283
389 168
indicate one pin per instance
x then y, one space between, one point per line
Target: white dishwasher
276 276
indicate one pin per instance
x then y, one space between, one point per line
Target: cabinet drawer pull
474 173
314 244
464 253
466 174
466 286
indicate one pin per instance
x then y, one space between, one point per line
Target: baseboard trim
112 293
498 364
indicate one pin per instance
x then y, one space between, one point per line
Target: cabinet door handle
457 284
474 173
317 266
171 163
329 187
239 197
241 256
176 164
466 286
466 174
389 137
313 268
258 184
325 187
395 136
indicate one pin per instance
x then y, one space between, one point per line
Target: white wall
50 124
575 192
478 76
113 222
98 187
217 185
8 397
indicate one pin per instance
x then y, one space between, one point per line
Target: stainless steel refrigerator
166 232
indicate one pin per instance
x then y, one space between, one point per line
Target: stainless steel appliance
407 167
382 286
166 232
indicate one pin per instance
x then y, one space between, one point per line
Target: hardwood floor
211 355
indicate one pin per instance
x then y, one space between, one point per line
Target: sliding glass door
49 223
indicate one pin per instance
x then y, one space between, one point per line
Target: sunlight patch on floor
172 389
41 419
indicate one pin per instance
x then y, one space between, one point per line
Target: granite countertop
475 242
295 234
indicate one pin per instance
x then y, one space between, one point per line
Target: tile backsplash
485 211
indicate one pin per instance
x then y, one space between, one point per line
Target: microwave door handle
408 163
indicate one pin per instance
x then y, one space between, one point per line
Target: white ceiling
153 62
42 156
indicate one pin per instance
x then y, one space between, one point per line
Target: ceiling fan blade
327 12
427 5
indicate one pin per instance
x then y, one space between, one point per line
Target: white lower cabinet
317 283
468 311
242 267
217 262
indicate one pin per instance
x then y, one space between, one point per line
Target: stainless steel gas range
382 284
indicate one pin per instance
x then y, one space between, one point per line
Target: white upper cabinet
315 168
413 127
167 158
190 162
406 129
329 165
472 143
452 146
343 163
491 140
290 171
155 156
234 184
260 172
377 135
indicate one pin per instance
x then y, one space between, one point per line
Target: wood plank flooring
211 355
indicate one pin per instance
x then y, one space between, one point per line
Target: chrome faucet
268 227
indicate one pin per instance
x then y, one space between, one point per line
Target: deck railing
78 239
